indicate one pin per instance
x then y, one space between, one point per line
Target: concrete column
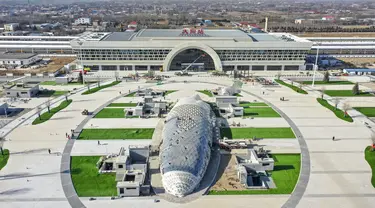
265 67
282 67
118 67
100 67
148 68
251 68
133 68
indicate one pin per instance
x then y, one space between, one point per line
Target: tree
278 75
80 78
336 101
346 107
326 77
322 92
38 110
2 140
48 104
355 89
372 141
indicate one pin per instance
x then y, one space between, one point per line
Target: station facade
175 49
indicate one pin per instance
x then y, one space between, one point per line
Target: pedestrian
49 151
263 92
66 135
333 138
98 142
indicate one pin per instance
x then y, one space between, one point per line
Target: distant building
11 26
22 90
133 26
83 21
299 21
346 18
18 59
328 18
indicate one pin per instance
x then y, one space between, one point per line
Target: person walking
66 135
98 142
49 151
333 138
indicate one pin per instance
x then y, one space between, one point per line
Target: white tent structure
186 148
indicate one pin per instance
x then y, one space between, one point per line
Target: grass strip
103 134
96 89
111 113
249 104
206 92
329 83
122 105
4 158
260 112
367 111
295 88
47 115
346 93
266 133
339 113
370 158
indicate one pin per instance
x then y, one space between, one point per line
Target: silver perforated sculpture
186 148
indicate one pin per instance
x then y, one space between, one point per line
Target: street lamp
80 58
316 64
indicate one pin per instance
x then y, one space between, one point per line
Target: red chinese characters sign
192 32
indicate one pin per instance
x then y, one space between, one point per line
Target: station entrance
192 60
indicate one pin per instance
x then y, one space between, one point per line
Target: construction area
48 65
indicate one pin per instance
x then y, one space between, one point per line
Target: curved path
66 180
293 201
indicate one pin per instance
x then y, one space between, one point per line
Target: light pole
316 64
80 58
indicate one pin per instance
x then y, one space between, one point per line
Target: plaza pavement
339 176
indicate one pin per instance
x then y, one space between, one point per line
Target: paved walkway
339 174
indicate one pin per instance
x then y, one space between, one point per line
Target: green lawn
51 93
131 94
122 105
285 175
240 133
170 92
111 113
370 158
206 92
102 134
54 83
339 113
295 88
367 111
249 104
4 158
329 83
47 115
96 89
237 95
86 179
345 93
260 112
